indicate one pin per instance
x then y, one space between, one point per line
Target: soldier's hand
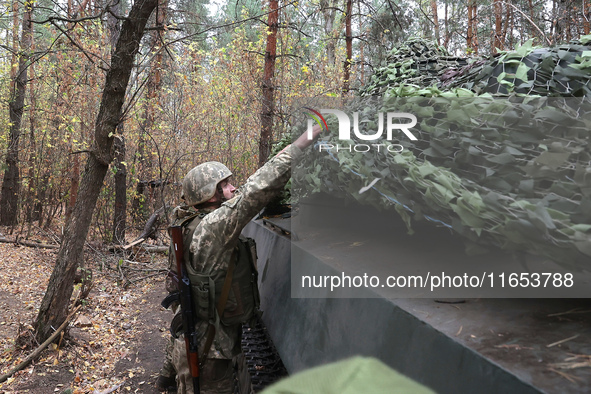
303 141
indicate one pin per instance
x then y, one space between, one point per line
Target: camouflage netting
564 70
502 170
417 62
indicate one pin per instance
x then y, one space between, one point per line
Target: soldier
167 377
222 217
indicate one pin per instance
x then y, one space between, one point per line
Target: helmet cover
199 185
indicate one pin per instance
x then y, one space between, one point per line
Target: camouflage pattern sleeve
218 233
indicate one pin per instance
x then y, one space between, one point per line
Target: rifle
184 284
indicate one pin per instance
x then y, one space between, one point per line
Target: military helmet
199 185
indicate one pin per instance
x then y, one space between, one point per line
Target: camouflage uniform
167 369
178 216
214 240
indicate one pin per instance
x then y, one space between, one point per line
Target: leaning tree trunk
54 307
11 184
120 209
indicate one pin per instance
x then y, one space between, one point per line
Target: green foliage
284 141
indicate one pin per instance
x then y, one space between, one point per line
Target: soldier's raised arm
303 142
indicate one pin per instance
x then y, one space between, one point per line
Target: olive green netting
417 62
502 170
564 70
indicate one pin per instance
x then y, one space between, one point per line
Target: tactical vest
243 300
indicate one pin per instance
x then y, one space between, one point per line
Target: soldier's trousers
168 367
216 376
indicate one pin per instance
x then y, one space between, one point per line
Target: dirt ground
116 342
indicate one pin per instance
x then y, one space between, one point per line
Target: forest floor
115 343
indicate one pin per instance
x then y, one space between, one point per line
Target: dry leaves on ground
103 334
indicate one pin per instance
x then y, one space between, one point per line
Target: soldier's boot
166 383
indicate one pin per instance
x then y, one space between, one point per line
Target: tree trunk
508 22
349 47
469 28
557 20
447 36
120 209
139 208
435 21
33 180
361 58
113 25
138 205
586 16
498 44
120 216
475 44
268 100
68 82
41 198
328 9
14 57
472 34
74 184
11 185
54 307
568 21
533 33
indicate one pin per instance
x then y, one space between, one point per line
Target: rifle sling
221 304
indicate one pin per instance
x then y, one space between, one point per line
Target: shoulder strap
221 306
189 225
184 221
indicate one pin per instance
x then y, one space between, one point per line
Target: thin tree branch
530 21
277 56
256 17
80 47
